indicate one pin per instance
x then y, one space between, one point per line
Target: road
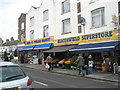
43 79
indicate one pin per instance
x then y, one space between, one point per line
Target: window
45 15
45 31
22 36
31 21
22 27
32 35
11 73
98 17
66 25
119 12
79 29
78 7
92 1
66 6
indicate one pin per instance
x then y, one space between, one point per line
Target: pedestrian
80 64
49 62
89 64
11 57
108 63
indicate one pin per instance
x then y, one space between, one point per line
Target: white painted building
98 15
40 21
59 18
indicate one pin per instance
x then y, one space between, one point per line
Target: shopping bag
47 66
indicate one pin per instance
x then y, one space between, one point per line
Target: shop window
98 18
78 7
66 26
65 6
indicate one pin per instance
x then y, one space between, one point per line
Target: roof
15 42
7 64
60 48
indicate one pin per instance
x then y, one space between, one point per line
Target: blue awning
95 47
42 46
26 48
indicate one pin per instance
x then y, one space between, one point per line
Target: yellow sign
24 39
40 41
102 36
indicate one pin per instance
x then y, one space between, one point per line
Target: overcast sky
10 12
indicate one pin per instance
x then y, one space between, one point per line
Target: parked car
12 77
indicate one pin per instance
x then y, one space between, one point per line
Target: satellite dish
81 20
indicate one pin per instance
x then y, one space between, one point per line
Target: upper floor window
66 6
92 1
31 21
22 36
66 26
32 35
45 31
45 15
98 18
119 12
22 26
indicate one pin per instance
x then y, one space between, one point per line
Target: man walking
80 64
49 60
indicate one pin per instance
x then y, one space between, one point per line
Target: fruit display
69 61
61 61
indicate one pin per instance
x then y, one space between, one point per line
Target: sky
10 12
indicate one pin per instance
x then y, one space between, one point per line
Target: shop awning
95 47
42 46
26 48
59 49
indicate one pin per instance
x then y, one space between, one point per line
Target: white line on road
40 83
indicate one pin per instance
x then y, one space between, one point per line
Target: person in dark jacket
80 64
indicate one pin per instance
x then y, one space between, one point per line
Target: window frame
63 26
45 14
101 16
32 21
32 37
45 31
63 6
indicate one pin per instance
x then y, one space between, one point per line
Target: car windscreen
10 73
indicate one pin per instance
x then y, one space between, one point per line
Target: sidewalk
96 75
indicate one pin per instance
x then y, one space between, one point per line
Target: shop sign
40 41
24 39
102 36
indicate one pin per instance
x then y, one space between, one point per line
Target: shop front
102 47
32 52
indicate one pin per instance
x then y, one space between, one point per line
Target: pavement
105 76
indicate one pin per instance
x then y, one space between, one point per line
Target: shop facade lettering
101 36
40 41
